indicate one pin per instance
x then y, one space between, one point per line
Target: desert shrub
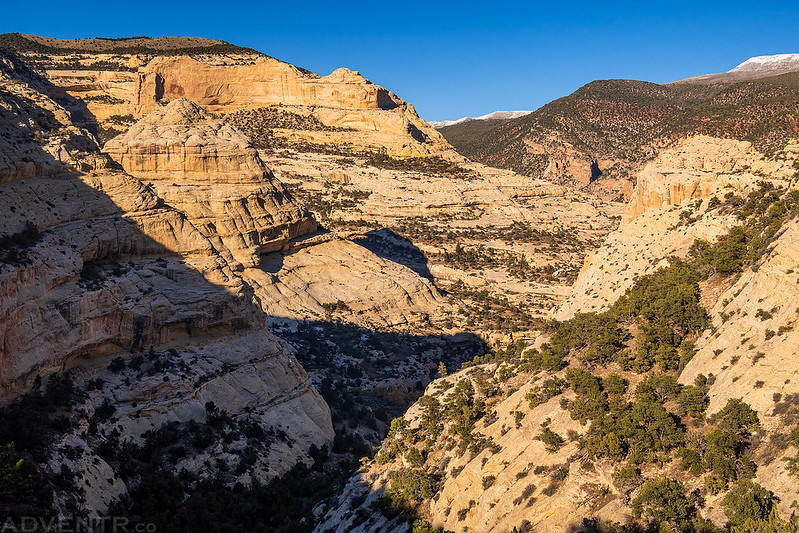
614 384
666 501
691 460
550 388
598 337
545 359
750 507
408 487
738 417
432 416
693 400
627 478
421 526
551 440
414 457
463 409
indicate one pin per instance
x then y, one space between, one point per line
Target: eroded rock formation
97 266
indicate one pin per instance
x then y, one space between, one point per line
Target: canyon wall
97 267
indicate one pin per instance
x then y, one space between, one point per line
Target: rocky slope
207 169
599 137
669 209
517 239
187 243
477 452
315 130
184 257
96 265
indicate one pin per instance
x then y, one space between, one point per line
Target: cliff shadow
367 377
123 289
393 247
77 108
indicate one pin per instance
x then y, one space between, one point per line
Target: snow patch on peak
776 63
496 115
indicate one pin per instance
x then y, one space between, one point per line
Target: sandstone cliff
669 209
112 82
96 265
209 171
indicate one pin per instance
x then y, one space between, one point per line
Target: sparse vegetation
14 248
628 121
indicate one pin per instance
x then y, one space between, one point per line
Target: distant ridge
753 68
145 45
600 136
496 115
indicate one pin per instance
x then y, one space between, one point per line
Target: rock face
697 168
344 98
508 217
27 113
113 83
265 82
183 141
493 490
315 128
211 172
379 292
665 215
97 265
750 351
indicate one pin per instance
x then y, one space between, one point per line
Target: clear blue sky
452 59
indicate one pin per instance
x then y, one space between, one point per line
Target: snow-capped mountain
767 64
751 69
496 115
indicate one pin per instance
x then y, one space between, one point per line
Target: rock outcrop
112 83
265 82
699 167
96 266
209 171
669 209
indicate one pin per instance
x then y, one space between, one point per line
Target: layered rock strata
209 171
97 266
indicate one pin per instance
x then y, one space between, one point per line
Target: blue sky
452 59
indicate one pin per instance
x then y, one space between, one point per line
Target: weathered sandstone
113 270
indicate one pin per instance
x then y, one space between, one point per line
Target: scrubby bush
750 507
693 400
410 486
551 440
666 501
414 457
